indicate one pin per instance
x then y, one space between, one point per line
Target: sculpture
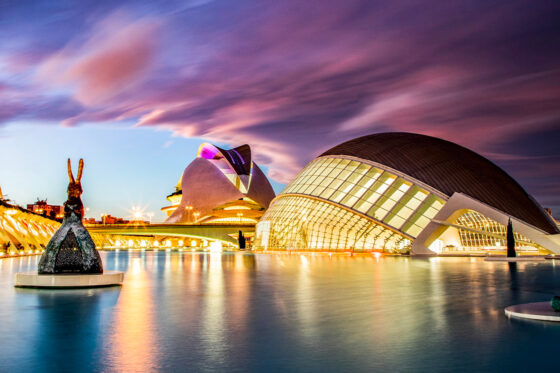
71 249
555 303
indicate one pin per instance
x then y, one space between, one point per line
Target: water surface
281 313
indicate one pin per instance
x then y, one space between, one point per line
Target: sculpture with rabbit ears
71 249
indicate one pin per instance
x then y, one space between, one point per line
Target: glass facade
296 223
373 204
472 239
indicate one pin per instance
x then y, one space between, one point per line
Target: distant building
23 231
41 207
108 219
404 192
220 187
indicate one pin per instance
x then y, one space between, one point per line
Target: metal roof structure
449 168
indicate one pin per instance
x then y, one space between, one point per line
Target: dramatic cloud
293 78
112 60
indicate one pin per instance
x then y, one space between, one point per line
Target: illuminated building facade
220 187
402 192
23 232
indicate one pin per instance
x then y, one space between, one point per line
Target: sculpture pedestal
515 259
70 280
533 311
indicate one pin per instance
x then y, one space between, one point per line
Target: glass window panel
367 182
414 230
327 193
342 163
363 206
334 172
396 221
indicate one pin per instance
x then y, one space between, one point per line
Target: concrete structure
167 235
74 280
402 192
23 232
220 187
533 311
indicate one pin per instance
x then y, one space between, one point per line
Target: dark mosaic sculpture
71 249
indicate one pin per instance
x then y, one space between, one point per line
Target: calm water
281 313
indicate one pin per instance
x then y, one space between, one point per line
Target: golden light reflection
239 291
305 307
133 347
214 307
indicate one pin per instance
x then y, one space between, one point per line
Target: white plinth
35 280
516 259
533 311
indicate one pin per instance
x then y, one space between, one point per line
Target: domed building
221 186
404 192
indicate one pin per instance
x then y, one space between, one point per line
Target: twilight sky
134 87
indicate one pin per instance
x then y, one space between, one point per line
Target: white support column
457 205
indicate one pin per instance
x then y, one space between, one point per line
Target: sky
135 87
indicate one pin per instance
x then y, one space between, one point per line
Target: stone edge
30 280
537 315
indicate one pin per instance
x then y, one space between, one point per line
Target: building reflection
69 327
203 311
226 285
133 344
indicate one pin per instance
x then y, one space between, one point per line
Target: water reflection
213 298
69 328
132 341
247 312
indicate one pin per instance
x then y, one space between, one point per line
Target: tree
241 240
510 240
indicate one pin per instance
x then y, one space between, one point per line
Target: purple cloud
294 78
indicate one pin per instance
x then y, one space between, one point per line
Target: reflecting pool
281 313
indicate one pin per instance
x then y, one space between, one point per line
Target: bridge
166 234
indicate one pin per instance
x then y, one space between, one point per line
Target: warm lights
216 247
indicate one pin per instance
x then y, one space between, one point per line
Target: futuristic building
403 192
220 187
22 231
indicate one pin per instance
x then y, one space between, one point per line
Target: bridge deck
222 232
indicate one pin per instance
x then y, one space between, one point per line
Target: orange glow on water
133 337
